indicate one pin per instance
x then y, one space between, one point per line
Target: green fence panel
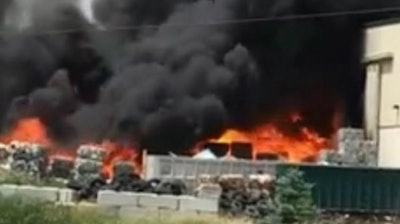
350 189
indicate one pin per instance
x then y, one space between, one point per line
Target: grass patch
21 211
183 219
7 177
18 211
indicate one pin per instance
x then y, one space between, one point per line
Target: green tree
293 203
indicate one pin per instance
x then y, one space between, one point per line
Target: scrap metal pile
84 172
353 150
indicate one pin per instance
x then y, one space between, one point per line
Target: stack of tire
125 179
86 174
246 197
27 158
4 153
60 168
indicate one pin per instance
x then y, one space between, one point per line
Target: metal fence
189 169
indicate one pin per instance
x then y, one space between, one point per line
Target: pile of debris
86 175
34 160
239 196
22 157
61 167
353 150
124 179
82 174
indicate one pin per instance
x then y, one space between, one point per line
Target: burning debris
163 86
88 169
87 173
267 139
89 162
173 82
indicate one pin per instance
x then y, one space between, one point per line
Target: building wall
371 101
382 96
389 147
383 49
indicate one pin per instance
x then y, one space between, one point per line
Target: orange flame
117 153
28 130
268 139
32 130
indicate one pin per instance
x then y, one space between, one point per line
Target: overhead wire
209 23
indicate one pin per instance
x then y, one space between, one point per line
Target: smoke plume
170 79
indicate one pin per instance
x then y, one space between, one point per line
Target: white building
382 95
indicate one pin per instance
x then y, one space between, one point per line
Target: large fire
28 130
32 130
119 153
268 139
264 139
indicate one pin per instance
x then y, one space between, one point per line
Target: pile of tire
246 197
124 180
26 158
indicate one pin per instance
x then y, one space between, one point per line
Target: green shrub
293 203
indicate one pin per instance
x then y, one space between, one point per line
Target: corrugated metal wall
347 189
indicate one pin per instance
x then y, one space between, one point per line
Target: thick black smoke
172 80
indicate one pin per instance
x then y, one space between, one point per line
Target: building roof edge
384 22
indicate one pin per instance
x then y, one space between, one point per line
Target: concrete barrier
124 204
207 205
135 203
7 190
112 198
39 193
66 196
160 202
211 191
51 194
